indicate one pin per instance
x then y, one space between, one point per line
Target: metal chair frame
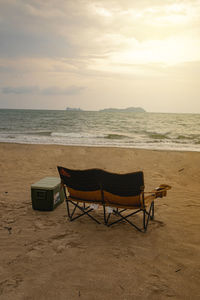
147 215
86 210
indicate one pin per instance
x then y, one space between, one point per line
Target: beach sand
44 256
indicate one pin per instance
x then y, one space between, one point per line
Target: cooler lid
47 183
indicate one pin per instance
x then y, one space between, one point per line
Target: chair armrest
160 191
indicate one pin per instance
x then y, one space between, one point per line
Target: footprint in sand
130 252
62 241
35 252
38 224
59 247
126 253
35 249
158 287
158 223
10 284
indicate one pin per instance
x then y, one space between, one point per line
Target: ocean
162 131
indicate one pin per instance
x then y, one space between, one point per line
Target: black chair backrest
130 184
81 180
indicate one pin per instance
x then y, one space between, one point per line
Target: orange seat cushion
91 196
121 201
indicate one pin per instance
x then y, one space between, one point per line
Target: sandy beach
44 256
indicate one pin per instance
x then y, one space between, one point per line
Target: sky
99 54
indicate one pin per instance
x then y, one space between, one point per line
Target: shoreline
100 262
101 146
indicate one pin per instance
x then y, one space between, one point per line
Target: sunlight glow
169 51
153 47
101 11
166 51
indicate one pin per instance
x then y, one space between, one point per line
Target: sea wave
159 136
189 137
77 135
40 132
114 136
17 133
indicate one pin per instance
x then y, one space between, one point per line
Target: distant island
131 109
72 108
128 109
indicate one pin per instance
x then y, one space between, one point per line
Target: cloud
27 44
19 90
72 90
34 29
75 29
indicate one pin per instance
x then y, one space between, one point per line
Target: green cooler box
47 193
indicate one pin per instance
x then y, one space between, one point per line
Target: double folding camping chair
121 195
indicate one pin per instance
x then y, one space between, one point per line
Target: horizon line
98 110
